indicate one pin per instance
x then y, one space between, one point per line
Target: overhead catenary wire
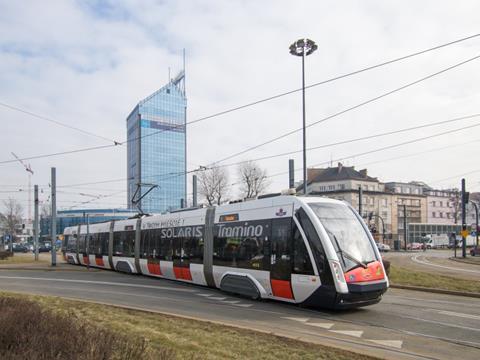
343 142
249 104
351 108
383 148
85 132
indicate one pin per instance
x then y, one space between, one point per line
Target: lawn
171 337
402 276
27 258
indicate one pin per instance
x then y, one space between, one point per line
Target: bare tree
11 216
456 204
253 179
214 185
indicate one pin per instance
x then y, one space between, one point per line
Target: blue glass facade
156 150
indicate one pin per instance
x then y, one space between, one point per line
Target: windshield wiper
346 254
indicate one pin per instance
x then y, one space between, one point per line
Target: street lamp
303 47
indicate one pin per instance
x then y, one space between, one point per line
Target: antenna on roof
169 78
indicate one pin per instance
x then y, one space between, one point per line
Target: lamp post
303 47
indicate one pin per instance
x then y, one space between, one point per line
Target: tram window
166 249
281 248
123 243
241 245
92 243
102 244
72 243
301 258
314 241
193 249
81 244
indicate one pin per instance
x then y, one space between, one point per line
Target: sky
88 63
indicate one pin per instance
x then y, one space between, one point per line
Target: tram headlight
337 271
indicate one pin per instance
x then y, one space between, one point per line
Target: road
405 325
436 261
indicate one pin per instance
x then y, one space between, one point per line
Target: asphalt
404 325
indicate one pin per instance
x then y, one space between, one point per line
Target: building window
434 214
441 214
331 187
433 203
441 204
341 186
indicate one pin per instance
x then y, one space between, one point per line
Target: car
475 251
383 247
46 247
415 246
20 248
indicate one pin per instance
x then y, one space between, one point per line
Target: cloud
88 63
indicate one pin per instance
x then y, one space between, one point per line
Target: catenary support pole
35 222
291 174
360 196
464 221
194 190
475 205
405 226
54 216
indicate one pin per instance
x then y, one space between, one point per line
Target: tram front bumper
361 294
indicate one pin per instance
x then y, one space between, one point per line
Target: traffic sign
464 233
7 237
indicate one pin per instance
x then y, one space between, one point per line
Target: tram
306 250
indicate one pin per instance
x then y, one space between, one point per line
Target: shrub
29 332
5 254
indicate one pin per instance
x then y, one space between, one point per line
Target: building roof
340 173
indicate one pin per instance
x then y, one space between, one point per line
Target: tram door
181 258
280 258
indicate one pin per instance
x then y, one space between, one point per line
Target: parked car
475 251
383 247
415 246
45 247
20 248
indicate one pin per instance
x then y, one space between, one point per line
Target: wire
384 148
11 107
421 153
252 103
353 140
348 109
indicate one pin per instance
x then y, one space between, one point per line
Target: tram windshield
346 233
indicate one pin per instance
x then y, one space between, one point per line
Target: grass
189 339
29 331
26 258
402 276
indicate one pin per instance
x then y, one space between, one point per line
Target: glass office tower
156 149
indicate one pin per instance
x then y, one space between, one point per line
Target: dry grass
29 331
401 276
189 339
25 258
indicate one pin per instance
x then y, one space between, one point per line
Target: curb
464 261
437 291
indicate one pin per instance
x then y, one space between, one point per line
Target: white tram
308 250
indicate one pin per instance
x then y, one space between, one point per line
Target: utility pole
475 205
194 190
35 222
360 194
291 174
54 216
464 219
405 225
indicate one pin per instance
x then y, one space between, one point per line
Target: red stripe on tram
281 288
86 260
154 269
99 262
